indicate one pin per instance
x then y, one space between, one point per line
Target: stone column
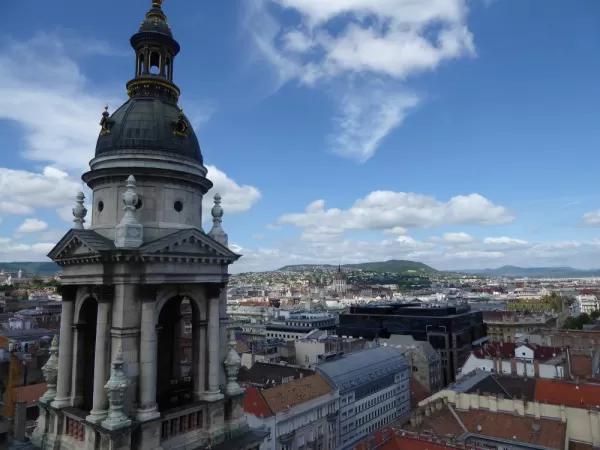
200 361
214 363
65 349
148 357
100 405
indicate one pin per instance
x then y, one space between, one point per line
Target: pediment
191 243
80 243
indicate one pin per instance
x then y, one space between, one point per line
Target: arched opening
176 349
88 317
167 71
154 63
141 64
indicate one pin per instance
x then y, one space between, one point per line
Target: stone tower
144 358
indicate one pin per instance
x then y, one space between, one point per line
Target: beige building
299 414
505 326
426 364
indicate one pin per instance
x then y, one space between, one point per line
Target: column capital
147 292
103 293
68 292
214 290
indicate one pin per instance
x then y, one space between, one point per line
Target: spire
217 232
129 232
79 212
155 51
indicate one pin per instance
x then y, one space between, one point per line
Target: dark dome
156 22
148 123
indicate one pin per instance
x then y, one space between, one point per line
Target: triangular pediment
189 243
80 243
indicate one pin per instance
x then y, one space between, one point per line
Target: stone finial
50 371
232 366
116 388
79 212
217 232
129 233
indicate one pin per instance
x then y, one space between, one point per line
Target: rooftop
574 395
351 370
297 392
267 402
505 385
492 425
506 350
265 374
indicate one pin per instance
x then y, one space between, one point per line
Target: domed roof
148 123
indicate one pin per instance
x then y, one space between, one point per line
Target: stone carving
116 388
232 366
50 371
79 212
217 232
129 233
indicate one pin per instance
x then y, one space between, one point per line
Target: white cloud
387 210
374 41
505 243
591 219
458 238
364 119
11 250
45 92
32 226
439 255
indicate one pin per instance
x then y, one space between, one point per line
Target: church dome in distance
151 120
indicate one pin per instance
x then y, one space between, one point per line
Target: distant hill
40 268
534 272
392 266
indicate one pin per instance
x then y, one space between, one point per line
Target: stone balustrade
75 429
175 425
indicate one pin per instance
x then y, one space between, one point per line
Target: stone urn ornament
50 372
116 388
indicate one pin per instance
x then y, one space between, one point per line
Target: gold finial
157 3
105 107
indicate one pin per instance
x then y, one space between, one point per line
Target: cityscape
167 316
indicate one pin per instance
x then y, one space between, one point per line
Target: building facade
451 330
425 362
373 386
125 375
299 414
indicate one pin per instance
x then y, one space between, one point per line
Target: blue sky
458 133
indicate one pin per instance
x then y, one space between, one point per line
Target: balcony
287 437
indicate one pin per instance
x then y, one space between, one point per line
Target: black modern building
452 330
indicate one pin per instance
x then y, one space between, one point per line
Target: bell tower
146 354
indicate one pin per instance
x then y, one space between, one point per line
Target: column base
144 415
61 402
96 416
212 396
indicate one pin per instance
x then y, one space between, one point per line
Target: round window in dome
139 203
178 206
100 206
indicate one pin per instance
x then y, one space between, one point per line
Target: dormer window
180 125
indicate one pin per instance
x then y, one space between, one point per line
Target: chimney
20 420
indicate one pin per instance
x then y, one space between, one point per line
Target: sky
460 133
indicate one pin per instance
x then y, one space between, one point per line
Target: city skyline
341 132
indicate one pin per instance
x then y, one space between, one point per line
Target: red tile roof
417 392
581 366
574 395
506 350
31 393
255 404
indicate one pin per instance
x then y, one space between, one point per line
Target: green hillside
40 268
395 266
391 266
